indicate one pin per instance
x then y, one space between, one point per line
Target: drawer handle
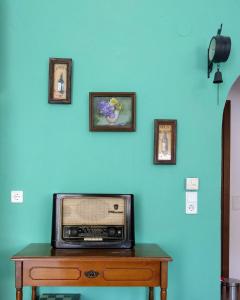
91 274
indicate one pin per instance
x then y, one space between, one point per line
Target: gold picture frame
165 141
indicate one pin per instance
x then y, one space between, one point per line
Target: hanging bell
218 77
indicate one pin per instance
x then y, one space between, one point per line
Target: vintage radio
93 221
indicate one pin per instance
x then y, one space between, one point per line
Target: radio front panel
93 221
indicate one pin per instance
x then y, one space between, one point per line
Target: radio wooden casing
93 221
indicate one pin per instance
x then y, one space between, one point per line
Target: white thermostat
192 184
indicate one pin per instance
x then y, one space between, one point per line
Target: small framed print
59 90
111 111
165 141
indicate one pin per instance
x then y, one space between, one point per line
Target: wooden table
40 265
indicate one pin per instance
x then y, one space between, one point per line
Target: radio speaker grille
93 211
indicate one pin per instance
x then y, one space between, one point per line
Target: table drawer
89 273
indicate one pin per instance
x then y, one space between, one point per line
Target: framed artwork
165 141
112 111
59 90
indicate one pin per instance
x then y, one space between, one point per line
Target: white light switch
17 196
192 184
191 203
236 202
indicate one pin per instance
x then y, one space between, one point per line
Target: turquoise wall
153 47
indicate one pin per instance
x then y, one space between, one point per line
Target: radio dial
99 231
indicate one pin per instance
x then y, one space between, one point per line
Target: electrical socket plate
17 196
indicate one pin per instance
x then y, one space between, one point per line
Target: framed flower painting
165 141
112 111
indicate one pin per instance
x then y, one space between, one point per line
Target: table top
150 252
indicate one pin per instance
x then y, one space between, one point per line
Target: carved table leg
151 295
34 293
164 280
19 294
18 280
163 294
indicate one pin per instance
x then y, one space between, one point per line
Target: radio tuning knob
111 231
74 232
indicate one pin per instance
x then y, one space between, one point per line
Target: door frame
225 191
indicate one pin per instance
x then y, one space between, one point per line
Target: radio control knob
119 232
111 231
74 232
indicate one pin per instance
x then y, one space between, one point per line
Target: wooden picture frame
59 88
165 133
112 111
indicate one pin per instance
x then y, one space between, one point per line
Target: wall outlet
17 196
